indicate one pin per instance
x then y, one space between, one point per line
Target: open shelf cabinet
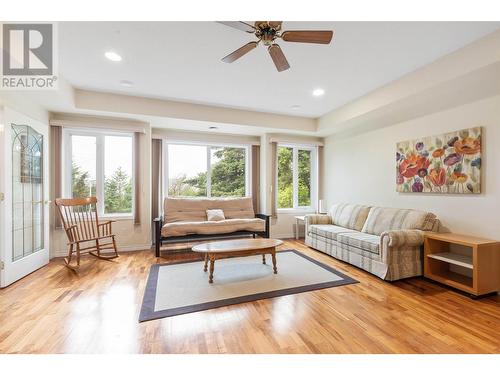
468 263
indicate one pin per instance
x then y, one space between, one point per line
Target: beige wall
361 168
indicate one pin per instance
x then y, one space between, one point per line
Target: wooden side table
471 264
298 220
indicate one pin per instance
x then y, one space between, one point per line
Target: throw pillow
215 215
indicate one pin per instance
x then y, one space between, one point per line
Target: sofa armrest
265 217
312 219
158 223
262 216
403 237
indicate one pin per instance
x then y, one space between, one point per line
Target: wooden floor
55 310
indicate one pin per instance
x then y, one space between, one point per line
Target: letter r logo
27 49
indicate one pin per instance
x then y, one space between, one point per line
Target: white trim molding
314 178
208 146
100 165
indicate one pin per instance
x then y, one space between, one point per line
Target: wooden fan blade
278 57
233 56
243 26
308 36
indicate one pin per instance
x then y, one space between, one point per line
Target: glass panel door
28 219
24 211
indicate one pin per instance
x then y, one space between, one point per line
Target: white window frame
208 146
100 163
296 209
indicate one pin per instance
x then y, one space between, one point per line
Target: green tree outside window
227 176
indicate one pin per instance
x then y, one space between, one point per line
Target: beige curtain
156 188
138 179
56 164
274 179
256 178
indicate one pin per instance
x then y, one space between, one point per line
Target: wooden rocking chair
82 226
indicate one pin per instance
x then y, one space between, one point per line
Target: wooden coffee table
237 248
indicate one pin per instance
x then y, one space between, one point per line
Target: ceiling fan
267 32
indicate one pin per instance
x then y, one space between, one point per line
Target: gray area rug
181 288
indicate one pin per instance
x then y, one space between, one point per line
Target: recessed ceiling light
318 92
295 106
213 127
126 83
113 56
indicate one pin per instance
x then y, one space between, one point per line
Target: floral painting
448 163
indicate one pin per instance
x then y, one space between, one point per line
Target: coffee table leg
206 263
263 258
211 276
273 254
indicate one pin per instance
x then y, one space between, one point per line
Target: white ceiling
181 61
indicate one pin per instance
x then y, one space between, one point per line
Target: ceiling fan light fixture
267 32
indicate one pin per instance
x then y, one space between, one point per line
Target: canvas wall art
448 163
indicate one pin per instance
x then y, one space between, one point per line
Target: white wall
284 225
361 169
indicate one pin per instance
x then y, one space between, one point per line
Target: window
295 177
101 164
187 170
207 171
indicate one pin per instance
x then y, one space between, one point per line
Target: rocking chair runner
82 226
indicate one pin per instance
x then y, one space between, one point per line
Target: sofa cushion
327 230
351 216
195 209
362 241
381 219
212 227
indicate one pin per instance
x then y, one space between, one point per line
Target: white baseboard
283 236
63 253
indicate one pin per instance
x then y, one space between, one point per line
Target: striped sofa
386 242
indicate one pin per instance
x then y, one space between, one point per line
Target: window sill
116 217
296 211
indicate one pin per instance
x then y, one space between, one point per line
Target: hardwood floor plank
55 310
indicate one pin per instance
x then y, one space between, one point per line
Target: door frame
14 270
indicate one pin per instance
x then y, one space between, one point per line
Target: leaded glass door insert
27 191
